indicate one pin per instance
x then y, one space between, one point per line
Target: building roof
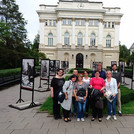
79 1
132 47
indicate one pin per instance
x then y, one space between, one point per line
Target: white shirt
87 81
112 85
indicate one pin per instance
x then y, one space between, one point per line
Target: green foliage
80 70
9 72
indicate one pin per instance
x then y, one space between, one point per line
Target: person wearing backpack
67 103
80 93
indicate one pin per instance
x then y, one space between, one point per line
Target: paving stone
21 131
109 131
57 131
75 131
128 123
97 124
92 131
39 131
126 130
5 131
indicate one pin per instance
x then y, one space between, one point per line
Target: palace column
59 44
100 37
117 29
73 34
42 32
86 35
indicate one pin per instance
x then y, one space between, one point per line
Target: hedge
80 70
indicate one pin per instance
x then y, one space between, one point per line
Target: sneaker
120 114
108 117
114 117
78 119
82 119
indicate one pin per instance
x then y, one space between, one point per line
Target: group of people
79 89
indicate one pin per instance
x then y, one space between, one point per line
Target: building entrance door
79 60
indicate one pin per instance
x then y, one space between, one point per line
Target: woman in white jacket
67 103
111 86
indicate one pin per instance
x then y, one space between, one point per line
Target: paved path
13 121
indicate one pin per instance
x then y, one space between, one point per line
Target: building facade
80 32
132 49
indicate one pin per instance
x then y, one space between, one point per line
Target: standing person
67 103
99 68
86 79
80 93
74 102
56 85
98 84
111 85
117 76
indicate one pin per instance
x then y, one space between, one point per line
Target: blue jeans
112 105
81 109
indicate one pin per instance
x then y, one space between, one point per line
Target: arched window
108 41
50 39
80 39
92 39
66 38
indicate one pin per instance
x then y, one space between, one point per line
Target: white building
80 31
132 49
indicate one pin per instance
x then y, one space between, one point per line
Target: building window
50 39
92 39
80 39
90 22
69 21
46 22
108 24
54 23
66 38
77 22
108 41
105 24
112 24
96 22
64 21
82 22
50 23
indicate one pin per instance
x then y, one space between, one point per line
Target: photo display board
121 66
52 67
45 69
27 74
57 65
133 71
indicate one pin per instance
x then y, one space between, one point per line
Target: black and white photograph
66 64
121 66
44 69
113 62
95 65
57 64
52 67
63 65
27 80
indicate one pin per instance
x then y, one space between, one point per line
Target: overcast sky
28 9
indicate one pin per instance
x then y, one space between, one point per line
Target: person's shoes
65 119
115 118
93 119
100 120
108 117
82 119
120 114
86 115
56 118
68 119
78 119
59 117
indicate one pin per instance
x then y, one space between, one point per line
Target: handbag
99 103
108 95
61 94
94 93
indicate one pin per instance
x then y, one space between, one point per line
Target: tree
10 15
